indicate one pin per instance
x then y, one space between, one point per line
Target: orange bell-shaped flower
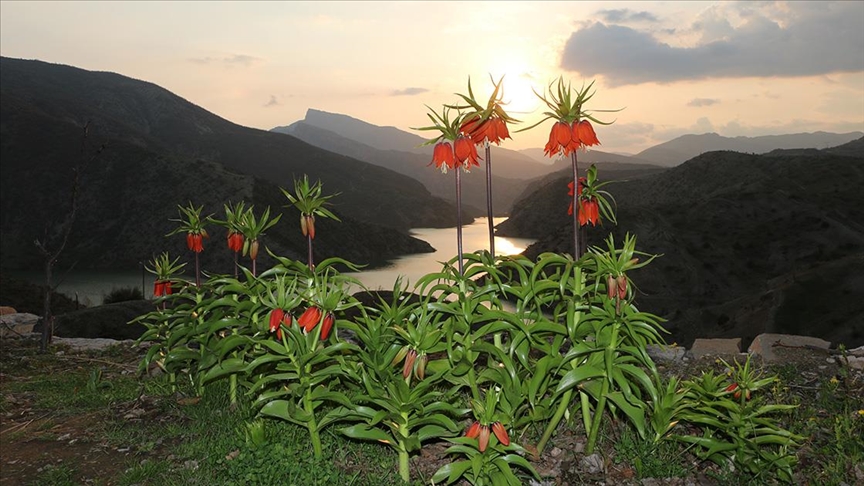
442 156
465 152
584 132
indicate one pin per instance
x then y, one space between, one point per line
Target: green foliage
507 345
737 425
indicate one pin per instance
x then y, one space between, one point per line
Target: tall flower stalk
308 199
572 130
192 224
487 125
453 151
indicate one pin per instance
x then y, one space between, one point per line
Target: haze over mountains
402 152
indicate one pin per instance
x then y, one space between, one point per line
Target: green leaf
228 367
364 432
577 376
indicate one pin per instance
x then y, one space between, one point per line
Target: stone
661 353
855 362
5 309
766 345
17 324
714 347
91 344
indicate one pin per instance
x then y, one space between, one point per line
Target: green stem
172 379
404 470
232 392
556 419
312 425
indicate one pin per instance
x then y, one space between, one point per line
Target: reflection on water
475 237
90 287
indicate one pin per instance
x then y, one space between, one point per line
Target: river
90 286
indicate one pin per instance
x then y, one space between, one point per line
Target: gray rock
665 353
714 347
764 345
17 324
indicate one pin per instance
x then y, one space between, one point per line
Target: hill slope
750 243
163 151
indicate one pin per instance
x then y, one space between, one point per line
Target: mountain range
747 243
402 152
685 147
163 151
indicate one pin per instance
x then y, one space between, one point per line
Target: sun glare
517 90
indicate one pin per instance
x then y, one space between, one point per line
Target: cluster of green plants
489 356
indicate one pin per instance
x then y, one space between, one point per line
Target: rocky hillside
749 243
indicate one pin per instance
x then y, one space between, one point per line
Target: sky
671 68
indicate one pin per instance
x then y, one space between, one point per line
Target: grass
207 442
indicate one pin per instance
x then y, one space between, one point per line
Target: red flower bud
611 286
409 363
166 289
473 431
327 325
732 387
310 318
622 287
276 317
501 434
483 439
253 249
158 288
311 225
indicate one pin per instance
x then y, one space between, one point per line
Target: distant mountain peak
685 147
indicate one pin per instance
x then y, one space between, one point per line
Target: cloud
625 15
235 60
273 102
805 40
702 102
408 91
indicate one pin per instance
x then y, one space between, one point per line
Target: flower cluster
482 433
162 287
565 137
307 321
195 241
460 153
589 208
235 241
